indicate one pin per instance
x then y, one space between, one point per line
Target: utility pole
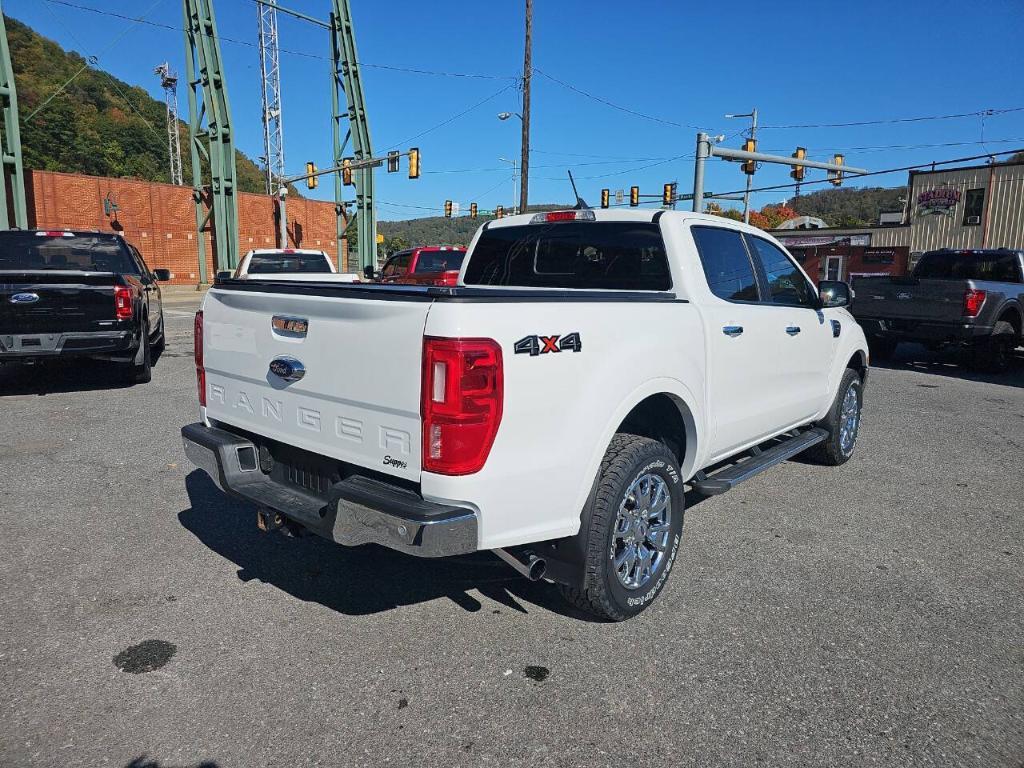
524 163
169 82
750 179
270 89
10 147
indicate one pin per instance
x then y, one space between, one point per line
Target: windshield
574 254
276 263
86 253
954 265
439 261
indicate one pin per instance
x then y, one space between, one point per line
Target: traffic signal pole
707 149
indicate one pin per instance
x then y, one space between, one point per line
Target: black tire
833 451
140 370
882 348
993 354
627 461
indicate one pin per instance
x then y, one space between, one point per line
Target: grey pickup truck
970 299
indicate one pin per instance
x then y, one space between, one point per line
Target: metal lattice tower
10 146
169 82
211 144
270 85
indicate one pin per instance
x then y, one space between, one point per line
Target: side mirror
368 272
834 293
163 275
225 274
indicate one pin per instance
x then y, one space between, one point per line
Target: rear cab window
277 263
82 252
596 255
439 261
960 265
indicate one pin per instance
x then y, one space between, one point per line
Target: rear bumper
357 510
923 330
31 346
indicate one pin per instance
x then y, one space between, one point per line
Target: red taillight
972 302
197 348
122 302
448 277
561 216
460 403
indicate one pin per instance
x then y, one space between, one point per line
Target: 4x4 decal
539 345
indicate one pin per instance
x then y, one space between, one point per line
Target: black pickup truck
73 294
970 299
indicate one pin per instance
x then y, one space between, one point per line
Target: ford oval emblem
24 298
287 368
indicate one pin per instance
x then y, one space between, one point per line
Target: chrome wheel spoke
641 531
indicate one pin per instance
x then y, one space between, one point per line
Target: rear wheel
993 355
161 340
140 370
633 525
842 422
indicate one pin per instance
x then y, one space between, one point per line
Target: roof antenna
581 204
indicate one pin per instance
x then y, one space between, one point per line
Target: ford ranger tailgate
337 375
909 298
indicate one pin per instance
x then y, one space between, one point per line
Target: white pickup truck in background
549 408
298 264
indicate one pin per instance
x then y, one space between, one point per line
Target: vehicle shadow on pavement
355 581
61 376
914 357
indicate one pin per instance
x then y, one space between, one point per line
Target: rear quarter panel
561 409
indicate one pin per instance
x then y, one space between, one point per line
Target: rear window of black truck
573 254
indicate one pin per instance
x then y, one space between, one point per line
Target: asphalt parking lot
865 615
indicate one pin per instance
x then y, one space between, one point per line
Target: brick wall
159 219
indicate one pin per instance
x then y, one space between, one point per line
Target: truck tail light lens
972 302
122 302
448 277
462 393
197 347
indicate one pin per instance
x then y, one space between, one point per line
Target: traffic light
414 163
604 198
311 180
472 210
346 171
392 161
749 145
836 177
668 194
499 211
447 209
798 170
634 197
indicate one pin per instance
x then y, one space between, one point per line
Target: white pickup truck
549 407
298 264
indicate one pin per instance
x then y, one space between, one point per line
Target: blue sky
680 64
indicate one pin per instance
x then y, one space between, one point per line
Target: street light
515 169
507 115
753 136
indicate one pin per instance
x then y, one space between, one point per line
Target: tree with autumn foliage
768 217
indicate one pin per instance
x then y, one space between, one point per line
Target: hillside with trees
849 207
96 125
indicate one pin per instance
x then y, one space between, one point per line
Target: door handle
732 330
793 330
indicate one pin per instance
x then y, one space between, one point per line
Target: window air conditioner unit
974 219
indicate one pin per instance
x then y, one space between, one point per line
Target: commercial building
980 206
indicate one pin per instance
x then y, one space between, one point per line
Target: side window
786 284
396 265
726 263
974 205
140 265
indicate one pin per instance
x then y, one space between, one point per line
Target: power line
627 170
452 119
890 121
607 103
305 54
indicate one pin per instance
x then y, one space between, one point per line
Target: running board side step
728 478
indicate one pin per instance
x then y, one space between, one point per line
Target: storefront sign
942 200
805 241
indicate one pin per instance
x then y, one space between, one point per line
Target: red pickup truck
428 265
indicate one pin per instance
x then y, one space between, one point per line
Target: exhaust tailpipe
525 562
